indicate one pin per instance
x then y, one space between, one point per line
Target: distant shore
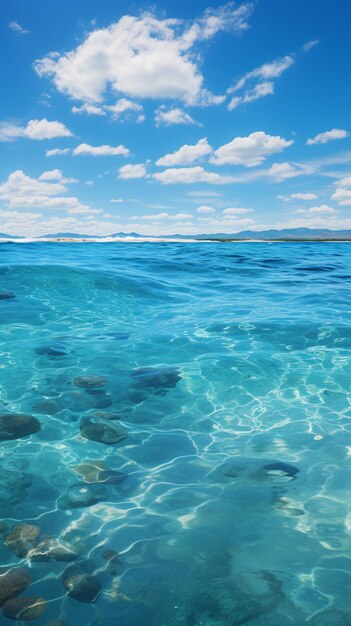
166 240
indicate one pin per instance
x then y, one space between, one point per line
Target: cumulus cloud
323 208
187 154
344 182
249 151
236 211
163 216
132 171
22 191
17 28
121 109
328 135
205 209
188 175
342 196
282 171
57 151
259 82
51 175
299 196
35 129
168 116
143 57
89 109
85 149
123 105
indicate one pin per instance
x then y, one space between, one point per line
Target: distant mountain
286 234
6 236
68 236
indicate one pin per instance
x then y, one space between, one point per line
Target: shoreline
163 240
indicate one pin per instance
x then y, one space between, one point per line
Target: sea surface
184 458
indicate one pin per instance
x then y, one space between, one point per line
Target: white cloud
116 200
328 135
227 224
162 216
117 110
261 81
35 129
104 150
204 194
342 196
323 208
141 57
188 175
299 196
132 171
234 211
344 182
205 209
310 44
17 28
22 191
259 91
122 106
168 116
51 175
89 109
282 171
57 151
249 151
187 154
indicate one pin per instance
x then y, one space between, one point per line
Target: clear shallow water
236 507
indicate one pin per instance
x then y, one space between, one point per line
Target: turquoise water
193 458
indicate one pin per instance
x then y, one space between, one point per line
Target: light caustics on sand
175 434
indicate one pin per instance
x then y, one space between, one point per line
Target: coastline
163 240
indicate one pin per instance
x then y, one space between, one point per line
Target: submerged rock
255 469
13 582
81 585
24 608
99 472
155 377
26 541
90 382
101 430
21 539
279 469
7 295
47 407
82 495
111 556
107 415
16 425
52 549
54 349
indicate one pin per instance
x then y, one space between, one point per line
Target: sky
174 117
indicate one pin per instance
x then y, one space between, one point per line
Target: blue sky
186 117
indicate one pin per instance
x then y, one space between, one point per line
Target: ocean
175 433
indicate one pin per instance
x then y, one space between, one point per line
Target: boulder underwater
81 585
17 425
101 430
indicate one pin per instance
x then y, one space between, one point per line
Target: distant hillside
286 234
